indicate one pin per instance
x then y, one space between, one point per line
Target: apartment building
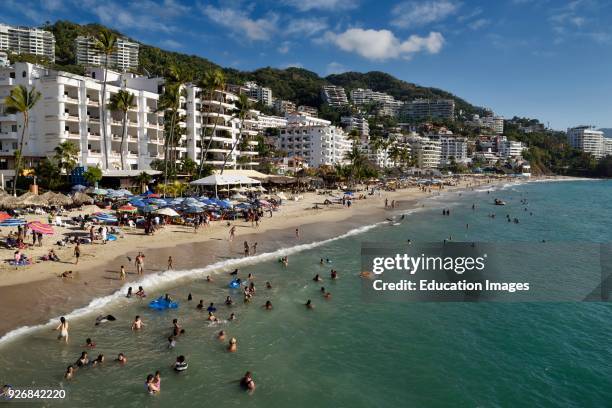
282 106
509 149
419 109
452 147
125 56
587 139
259 93
308 110
268 121
492 122
427 151
334 96
212 120
69 110
358 123
607 146
27 40
386 104
315 140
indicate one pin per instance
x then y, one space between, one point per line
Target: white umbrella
167 212
282 196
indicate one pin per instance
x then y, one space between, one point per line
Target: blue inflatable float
235 284
161 304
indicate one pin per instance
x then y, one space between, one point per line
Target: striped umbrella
12 222
127 208
41 227
105 218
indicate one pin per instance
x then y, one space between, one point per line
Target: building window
23 74
12 75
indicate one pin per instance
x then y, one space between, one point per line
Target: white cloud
305 26
292 65
238 21
478 24
145 15
412 14
383 44
284 47
335 68
172 44
329 5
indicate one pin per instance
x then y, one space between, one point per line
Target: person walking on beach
170 265
77 253
247 250
140 263
122 272
232 233
297 233
63 329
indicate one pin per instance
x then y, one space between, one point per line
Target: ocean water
347 352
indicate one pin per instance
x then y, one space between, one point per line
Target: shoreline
92 288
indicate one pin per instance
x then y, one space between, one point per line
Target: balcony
71 135
68 99
93 102
7 81
9 135
8 117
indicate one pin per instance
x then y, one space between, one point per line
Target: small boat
499 202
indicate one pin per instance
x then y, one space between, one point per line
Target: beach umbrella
12 222
148 208
99 191
79 187
35 200
105 218
264 203
60 199
238 196
127 208
4 216
136 202
125 192
41 227
150 194
194 210
224 190
169 212
157 201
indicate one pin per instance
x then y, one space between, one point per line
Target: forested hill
295 84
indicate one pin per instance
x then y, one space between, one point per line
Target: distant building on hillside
308 110
429 109
27 40
587 139
493 122
358 123
259 93
509 149
125 56
284 106
387 105
334 96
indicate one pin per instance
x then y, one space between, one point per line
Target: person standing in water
63 329
77 253
137 324
122 273
297 233
233 345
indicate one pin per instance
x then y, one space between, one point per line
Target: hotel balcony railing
8 135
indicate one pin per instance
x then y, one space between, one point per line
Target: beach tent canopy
12 222
169 212
80 198
127 208
224 180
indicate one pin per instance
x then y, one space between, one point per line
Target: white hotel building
26 40
427 151
315 140
69 110
453 147
587 139
124 57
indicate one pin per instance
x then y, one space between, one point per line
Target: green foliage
66 156
92 175
48 174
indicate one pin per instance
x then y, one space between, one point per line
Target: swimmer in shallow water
171 342
247 382
229 301
180 364
137 324
317 278
89 343
69 373
200 305
233 345
221 336
98 361
121 359
232 317
268 305
268 285
309 304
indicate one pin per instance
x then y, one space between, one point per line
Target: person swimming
317 278
189 297
211 308
129 292
221 335
69 374
233 345
229 301
151 385
121 359
141 292
268 285
63 329
268 305
247 382
137 324
211 317
181 364
334 274
89 343
232 317
83 360
309 304
171 342
99 360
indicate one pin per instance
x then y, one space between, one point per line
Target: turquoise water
351 353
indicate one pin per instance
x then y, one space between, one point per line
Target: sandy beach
33 294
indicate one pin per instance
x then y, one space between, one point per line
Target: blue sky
548 59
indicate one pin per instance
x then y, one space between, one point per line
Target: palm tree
143 180
357 159
243 106
66 155
122 101
21 100
213 81
106 44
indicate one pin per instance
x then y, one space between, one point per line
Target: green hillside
295 84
